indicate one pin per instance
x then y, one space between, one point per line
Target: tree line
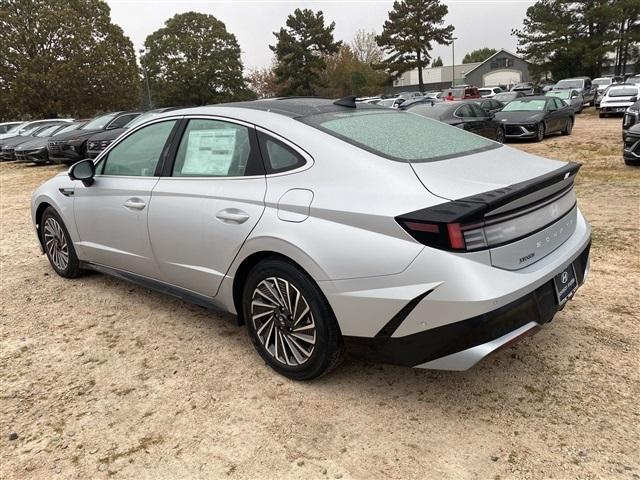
66 57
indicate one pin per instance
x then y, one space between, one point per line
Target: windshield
564 94
141 119
69 128
14 128
400 136
522 105
99 123
569 84
623 92
29 130
602 81
505 96
386 103
47 131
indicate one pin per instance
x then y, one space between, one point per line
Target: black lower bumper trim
539 306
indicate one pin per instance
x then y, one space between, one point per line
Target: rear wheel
568 127
58 245
290 321
540 130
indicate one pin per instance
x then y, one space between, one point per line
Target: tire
568 127
313 341
58 245
500 135
540 131
602 115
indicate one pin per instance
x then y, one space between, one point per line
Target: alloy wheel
540 132
283 321
56 243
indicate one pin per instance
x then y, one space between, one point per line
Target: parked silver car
322 224
572 97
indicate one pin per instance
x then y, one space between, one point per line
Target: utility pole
146 79
453 63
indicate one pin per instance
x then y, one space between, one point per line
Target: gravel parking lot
102 378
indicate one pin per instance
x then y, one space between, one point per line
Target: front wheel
290 321
58 245
500 136
540 129
568 127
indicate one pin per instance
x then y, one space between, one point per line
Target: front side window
139 153
477 110
400 136
213 148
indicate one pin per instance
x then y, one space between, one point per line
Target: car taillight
448 236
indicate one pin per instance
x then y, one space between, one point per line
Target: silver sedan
325 225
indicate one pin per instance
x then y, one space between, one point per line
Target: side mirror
84 171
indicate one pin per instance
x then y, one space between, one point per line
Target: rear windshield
569 84
623 92
400 136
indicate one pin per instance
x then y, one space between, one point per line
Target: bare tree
365 48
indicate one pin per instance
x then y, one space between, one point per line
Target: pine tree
408 34
301 51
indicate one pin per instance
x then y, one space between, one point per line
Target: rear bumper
614 109
459 345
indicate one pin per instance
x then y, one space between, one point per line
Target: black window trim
262 139
255 158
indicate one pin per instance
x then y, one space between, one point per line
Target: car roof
294 107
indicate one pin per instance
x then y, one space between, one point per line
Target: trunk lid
469 175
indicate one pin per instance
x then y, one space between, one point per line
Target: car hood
15 141
34 143
461 177
519 117
108 134
74 135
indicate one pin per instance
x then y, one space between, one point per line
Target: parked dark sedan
489 105
631 117
98 142
35 150
464 114
7 152
535 117
71 147
631 151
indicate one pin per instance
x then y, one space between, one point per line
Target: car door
486 125
111 214
467 120
206 203
552 115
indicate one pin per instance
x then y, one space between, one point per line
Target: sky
478 23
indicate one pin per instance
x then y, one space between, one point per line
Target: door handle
135 204
232 215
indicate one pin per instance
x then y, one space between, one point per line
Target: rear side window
214 148
277 156
400 136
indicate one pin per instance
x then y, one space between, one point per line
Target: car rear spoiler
499 201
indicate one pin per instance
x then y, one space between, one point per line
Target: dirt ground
102 378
